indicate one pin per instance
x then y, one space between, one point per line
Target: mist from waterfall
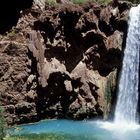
129 78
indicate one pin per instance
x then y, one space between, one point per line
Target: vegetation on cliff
134 1
2 124
55 62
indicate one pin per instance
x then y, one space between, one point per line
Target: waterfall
129 79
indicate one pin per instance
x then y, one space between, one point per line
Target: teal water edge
75 130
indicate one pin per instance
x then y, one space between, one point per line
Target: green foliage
109 91
51 3
103 1
134 1
55 137
2 133
37 137
79 1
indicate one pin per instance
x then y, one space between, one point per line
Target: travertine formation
62 62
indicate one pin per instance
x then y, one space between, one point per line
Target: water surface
78 130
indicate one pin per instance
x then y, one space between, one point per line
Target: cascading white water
129 79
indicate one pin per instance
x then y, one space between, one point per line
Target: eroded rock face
62 63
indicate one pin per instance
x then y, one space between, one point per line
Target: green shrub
79 1
110 87
51 3
134 1
2 133
103 1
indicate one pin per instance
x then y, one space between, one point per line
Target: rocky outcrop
62 62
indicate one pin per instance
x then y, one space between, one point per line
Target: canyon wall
62 62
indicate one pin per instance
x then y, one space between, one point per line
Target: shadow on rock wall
10 13
55 99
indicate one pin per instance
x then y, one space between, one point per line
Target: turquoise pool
79 130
